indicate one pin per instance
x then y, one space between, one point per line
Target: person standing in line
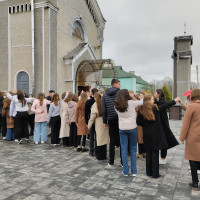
39 107
171 140
1 107
190 133
102 133
92 133
153 133
31 117
141 149
125 107
49 98
64 129
13 114
2 118
21 105
110 117
80 122
70 117
54 116
9 120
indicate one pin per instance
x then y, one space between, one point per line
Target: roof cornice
96 13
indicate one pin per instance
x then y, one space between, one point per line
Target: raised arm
166 105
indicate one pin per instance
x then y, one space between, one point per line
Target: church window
78 31
13 9
17 8
26 7
10 10
22 8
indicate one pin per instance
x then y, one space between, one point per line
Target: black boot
194 186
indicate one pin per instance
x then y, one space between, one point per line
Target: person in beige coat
64 128
102 133
80 122
190 133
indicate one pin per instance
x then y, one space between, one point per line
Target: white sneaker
134 175
124 174
162 161
109 165
42 142
16 140
4 138
36 142
20 141
189 168
198 172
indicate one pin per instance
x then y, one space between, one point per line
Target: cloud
139 34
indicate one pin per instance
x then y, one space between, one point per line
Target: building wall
69 10
4 51
21 46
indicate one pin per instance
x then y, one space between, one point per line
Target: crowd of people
117 117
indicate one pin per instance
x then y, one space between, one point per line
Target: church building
50 44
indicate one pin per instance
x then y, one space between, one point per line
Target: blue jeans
40 128
128 137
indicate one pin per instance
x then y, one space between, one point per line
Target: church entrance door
23 82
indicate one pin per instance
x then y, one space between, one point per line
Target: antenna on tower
185 28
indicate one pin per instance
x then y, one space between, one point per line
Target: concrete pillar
182 56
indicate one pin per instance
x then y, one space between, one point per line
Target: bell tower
182 56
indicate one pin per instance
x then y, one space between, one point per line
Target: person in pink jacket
39 107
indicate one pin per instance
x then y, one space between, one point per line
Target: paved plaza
35 172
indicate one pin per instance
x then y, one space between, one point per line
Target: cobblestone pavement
30 171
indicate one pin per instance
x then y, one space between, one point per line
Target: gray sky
139 34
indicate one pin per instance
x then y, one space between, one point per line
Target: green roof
139 80
109 73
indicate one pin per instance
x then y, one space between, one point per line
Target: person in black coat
171 140
153 133
110 117
88 106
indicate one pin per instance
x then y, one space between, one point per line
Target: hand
182 142
177 99
86 125
106 125
77 125
42 111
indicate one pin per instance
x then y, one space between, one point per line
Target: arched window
78 30
23 82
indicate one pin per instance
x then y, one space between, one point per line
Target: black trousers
101 152
163 153
194 165
21 125
92 139
55 129
83 140
141 148
31 120
4 126
152 163
73 134
65 141
114 138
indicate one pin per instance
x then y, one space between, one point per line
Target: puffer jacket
108 111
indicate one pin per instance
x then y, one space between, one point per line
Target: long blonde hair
56 99
98 100
40 97
146 109
81 103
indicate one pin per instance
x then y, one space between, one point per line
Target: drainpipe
33 46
